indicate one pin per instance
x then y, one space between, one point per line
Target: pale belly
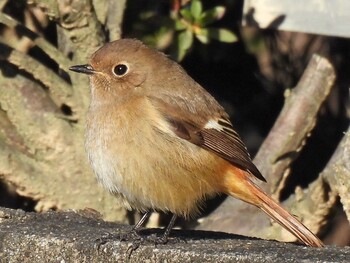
147 169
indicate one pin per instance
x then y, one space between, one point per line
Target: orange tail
237 183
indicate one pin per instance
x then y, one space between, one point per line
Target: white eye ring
121 69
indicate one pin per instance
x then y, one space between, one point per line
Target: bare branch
295 122
61 91
79 35
115 18
280 148
40 42
337 172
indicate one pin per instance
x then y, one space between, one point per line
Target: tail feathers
238 184
289 222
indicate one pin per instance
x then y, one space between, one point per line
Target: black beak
86 69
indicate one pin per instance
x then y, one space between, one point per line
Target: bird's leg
168 228
141 221
153 238
134 231
130 235
164 239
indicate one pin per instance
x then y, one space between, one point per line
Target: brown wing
219 138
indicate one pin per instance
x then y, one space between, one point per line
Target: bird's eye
120 69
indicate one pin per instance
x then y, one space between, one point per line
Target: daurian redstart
158 141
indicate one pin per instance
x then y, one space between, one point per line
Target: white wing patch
212 124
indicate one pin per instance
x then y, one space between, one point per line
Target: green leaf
196 9
211 15
163 37
180 24
203 36
185 40
186 14
223 35
219 11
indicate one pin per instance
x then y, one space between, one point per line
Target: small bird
159 141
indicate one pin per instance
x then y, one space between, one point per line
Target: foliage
176 31
193 21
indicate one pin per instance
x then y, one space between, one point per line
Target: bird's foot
156 240
105 238
131 235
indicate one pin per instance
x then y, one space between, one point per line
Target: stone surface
75 236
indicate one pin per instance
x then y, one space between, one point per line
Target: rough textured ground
76 237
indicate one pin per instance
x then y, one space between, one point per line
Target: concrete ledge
72 237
